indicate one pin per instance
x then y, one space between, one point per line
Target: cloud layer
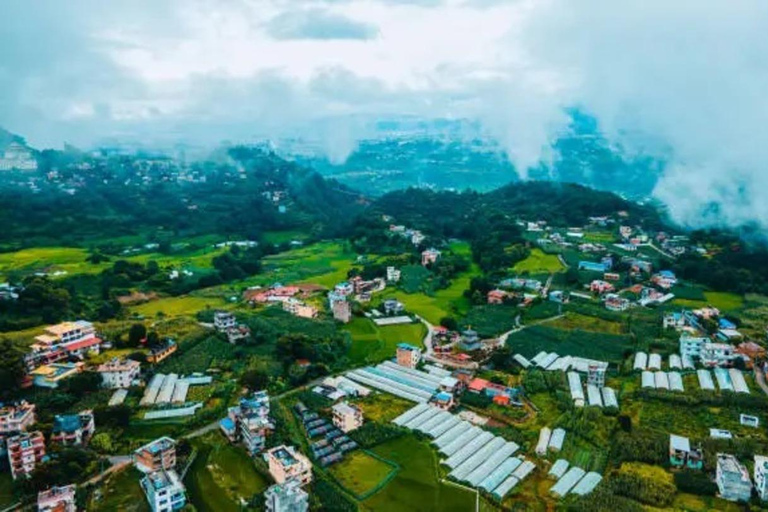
684 81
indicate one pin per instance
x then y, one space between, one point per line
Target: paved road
760 379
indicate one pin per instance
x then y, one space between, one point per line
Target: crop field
417 482
38 259
221 475
371 343
724 301
539 262
6 490
576 321
605 347
281 237
361 474
121 492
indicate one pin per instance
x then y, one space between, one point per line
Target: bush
695 482
372 434
647 484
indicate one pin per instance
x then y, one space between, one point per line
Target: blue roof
227 423
667 273
443 396
726 324
406 346
68 423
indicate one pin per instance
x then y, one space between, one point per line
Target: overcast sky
687 78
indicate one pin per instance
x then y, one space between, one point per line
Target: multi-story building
393 274
16 418
298 308
73 429
224 320
157 455
732 478
61 341
162 352
287 497
249 422
681 454
690 346
596 375
347 417
430 256
716 354
342 311
287 463
57 499
17 157
760 475
118 373
164 490
25 452
408 355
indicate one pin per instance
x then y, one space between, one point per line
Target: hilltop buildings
17 157
164 491
155 456
60 341
16 418
682 455
408 355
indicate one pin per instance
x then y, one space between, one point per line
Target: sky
684 79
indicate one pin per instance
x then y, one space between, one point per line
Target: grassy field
122 492
221 475
602 346
539 262
417 485
382 407
67 259
577 321
281 237
371 343
724 301
360 473
325 263
6 490
176 306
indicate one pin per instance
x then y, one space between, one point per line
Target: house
690 346
496 296
277 293
57 499
162 351
559 296
611 276
682 455
287 497
117 373
749 421
287 463
442 400
393 274
470 340
342 311
615 302
238 333
61 341
25 451
493 390
73 429
164 490
716 354
15 418
345 288
408 355
673 321
347 417
224 320
300 309
49 376
750 351
158 455
393 307
732 479
600 287
430 256
760 474
249 422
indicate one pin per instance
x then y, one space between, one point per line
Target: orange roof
478 384
90 342
501 399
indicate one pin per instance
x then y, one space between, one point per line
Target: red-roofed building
478 385
501 400
496 296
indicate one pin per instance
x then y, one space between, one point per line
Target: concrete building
164 351
342 311
287 497
118 373
224 320
732 479
347 417
716 354
17 157
51 375
393 274
393 307
298 308
25 452
287 463
155 456
15 418
57 499
690 346
682 455
164 491
249 422
760 476
408 355
73 429
596 375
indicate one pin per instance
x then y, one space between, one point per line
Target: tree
117 416
102 442
136 335
82 383
449 323
11 368
254 380
153 339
